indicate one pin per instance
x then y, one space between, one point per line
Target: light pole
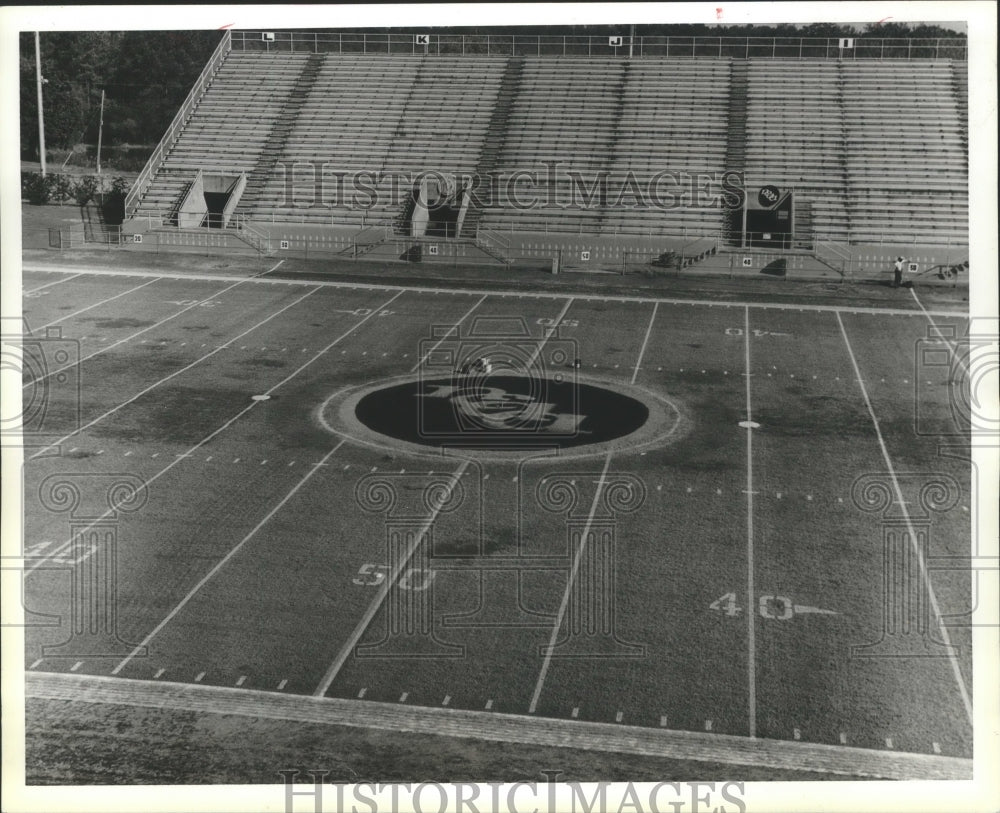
41 114
100 133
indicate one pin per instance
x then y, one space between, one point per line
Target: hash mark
35 664
282 685
618 717
159 672
198 677
447 700
242 680
403 696
575 713
489 704
888 742
76 666
362 693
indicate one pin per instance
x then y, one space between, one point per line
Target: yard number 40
777 607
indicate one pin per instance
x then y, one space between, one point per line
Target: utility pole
41 114
631 40
100 133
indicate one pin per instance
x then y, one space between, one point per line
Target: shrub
84 190
60 187
120 186
35 188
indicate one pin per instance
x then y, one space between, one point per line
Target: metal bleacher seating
875 150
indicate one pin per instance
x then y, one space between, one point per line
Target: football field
738 523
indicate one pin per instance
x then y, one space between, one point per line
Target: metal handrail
352 42
145 177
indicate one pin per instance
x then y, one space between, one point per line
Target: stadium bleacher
873 149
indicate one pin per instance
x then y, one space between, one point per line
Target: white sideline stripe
96 304
951 347
58 281
163 380
495 726
945 638
645 341
443 338
222 562
371 286
232 420
550 332
144 330
569 586
751 614
362 625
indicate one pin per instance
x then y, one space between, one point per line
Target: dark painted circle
500 412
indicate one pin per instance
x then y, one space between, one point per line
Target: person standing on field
897 273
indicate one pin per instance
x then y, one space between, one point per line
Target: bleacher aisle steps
493 143
278 136
736 141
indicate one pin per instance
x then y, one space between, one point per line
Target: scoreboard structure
768 218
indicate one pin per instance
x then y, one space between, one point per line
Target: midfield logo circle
500 412
503 414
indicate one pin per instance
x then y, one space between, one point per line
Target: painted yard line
151 387
951 346
569 587
645 341
58 281
224 560
390 581
232 420
173 374
139 333
448 336
551 332
945 638
496 727
751 615
96 304
531 295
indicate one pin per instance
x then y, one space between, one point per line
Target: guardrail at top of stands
500 45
